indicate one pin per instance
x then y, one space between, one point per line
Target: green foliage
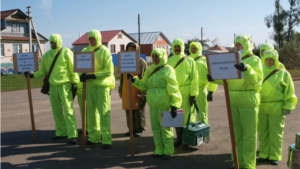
283 21
289 54
18 82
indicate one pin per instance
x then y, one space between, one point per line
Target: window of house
163 46
2 49
157 46
112 48
122 48
119 36
35 47
159 38
15 27
17 48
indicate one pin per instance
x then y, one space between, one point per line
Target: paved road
19 151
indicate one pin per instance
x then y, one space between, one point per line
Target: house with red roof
114 40
15 34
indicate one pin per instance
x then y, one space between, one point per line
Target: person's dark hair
130 44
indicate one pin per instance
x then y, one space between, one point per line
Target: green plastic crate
197 134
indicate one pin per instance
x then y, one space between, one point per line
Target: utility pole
139 30
29 29
31 23
201 34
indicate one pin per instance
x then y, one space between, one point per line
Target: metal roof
149 37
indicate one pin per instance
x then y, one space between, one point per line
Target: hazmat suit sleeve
74 76
194 89
172 89
42 69
289 98
212 87
253 74
142 84
202 72
107 69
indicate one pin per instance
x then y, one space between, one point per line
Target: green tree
277 21
293 18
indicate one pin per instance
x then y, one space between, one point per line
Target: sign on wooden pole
83 63
129 62
26 62
221 67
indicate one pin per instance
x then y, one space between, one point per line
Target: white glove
286 112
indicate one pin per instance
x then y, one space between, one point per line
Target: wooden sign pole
235 157
130 119
83 115
31 109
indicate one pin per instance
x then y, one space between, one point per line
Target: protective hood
162 55
199 49
56 38
94 34
179 42
246 42
271 53
131 44
265 46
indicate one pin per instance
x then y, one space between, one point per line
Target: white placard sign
25 62
129 62
221 66
84 62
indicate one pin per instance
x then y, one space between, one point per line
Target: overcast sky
219 19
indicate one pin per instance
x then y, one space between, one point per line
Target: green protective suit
187 77
60 80
244 102
277 94
201 65
98 92
162 85
267 46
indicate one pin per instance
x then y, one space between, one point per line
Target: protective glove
130 76
192 100
242 67
286 112
84 77
173 111
209 96
209 78
26 74
73 89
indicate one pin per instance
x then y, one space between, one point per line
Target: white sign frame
81 65
29 62
129 62
221 66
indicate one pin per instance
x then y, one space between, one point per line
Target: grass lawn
18 82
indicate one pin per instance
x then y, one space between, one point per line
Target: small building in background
150 41
114 40
215 49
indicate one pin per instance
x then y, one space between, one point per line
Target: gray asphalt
19 151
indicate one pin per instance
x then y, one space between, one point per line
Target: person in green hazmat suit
98 87
266 46
278 99
62 84
244 101
204 95
160 82
187 77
